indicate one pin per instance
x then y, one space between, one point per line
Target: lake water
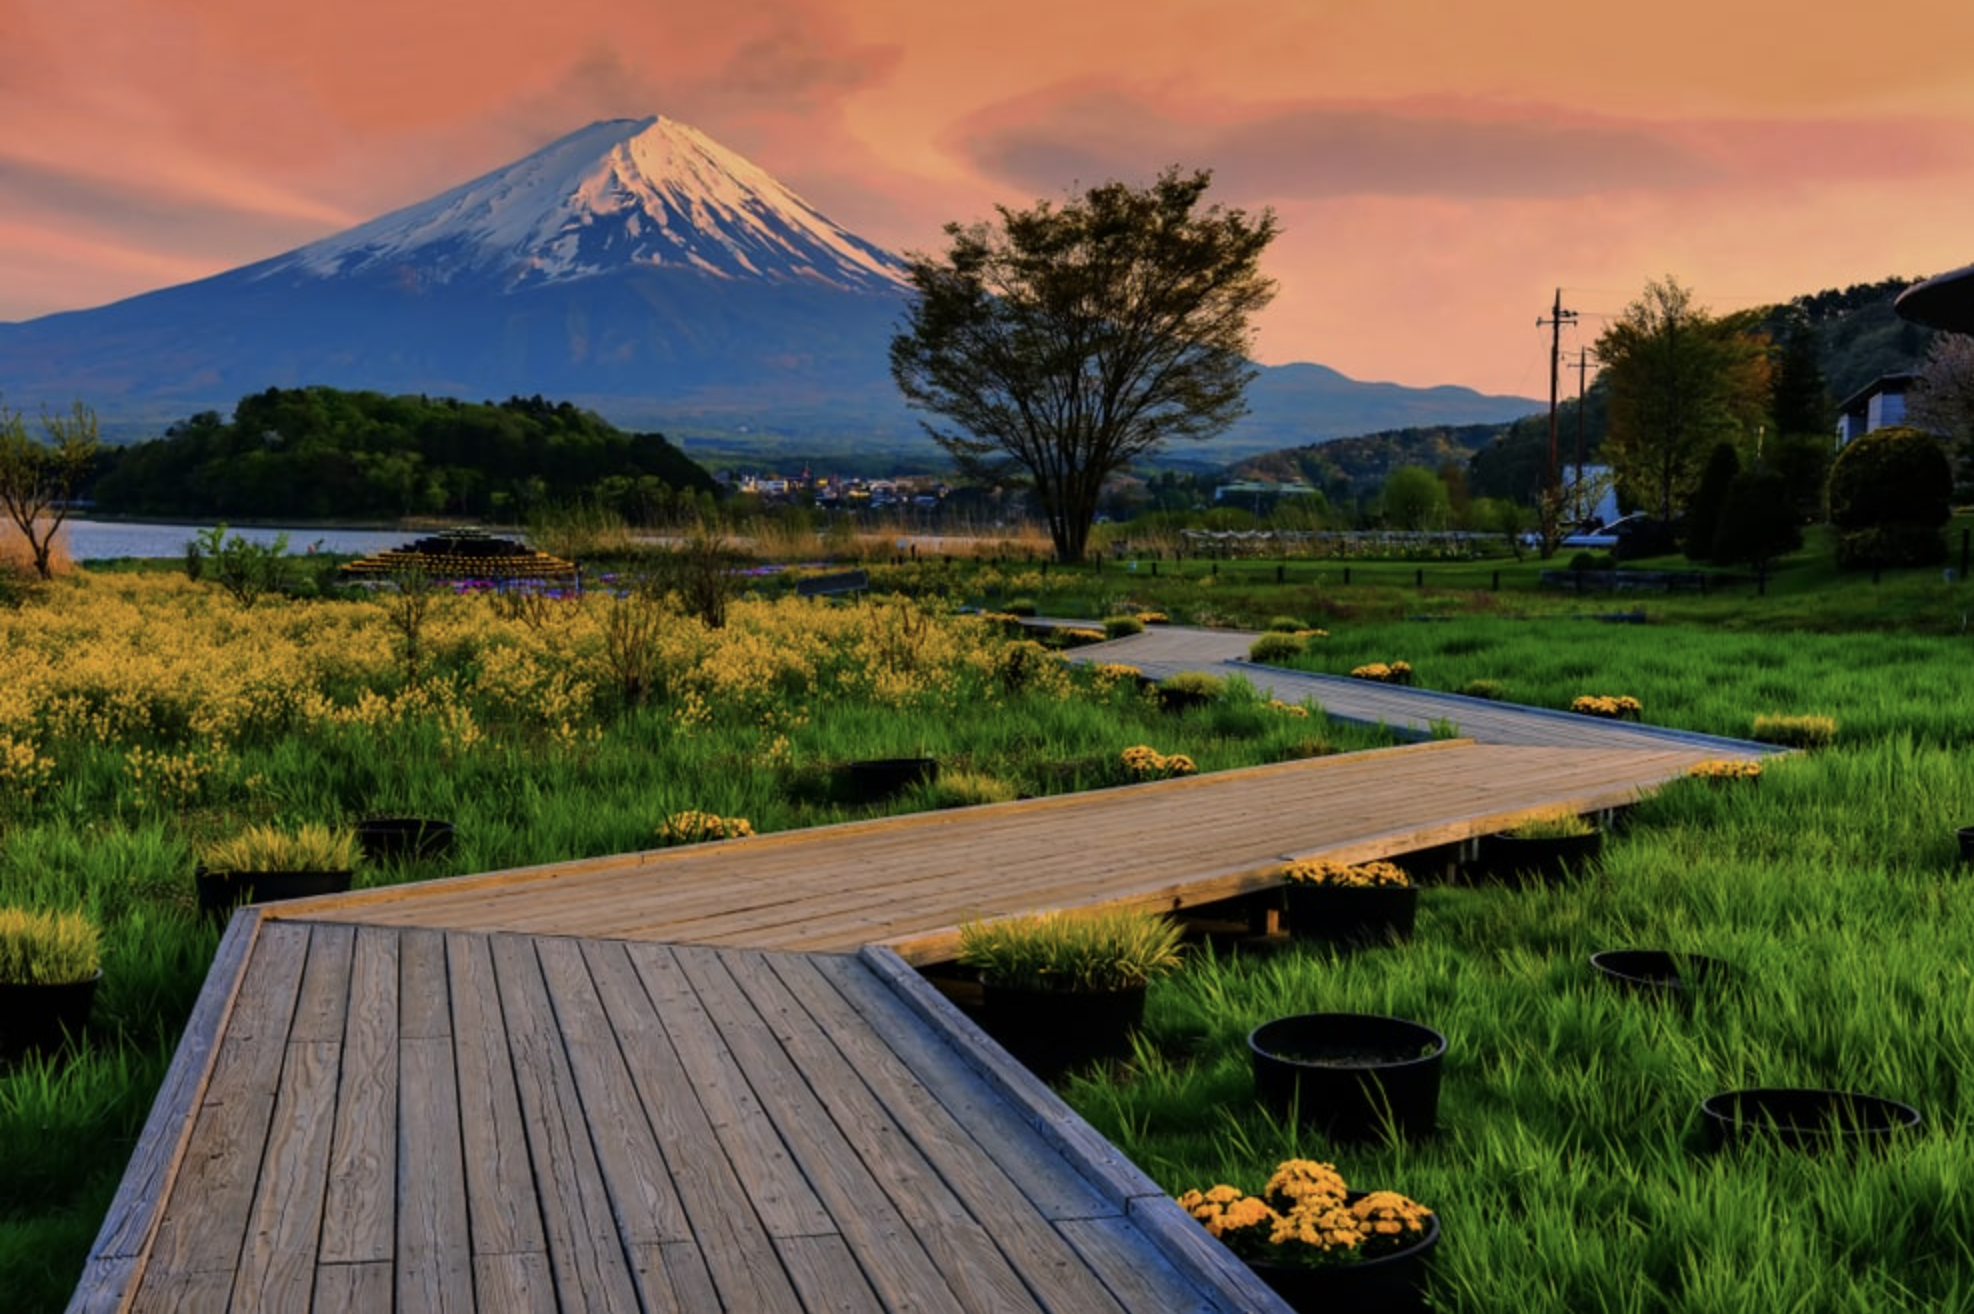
94 540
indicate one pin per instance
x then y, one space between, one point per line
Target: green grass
1569 1172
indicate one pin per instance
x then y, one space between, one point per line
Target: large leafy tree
1681 380
39 479
1065 342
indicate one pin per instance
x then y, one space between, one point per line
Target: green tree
1416 499
1801 400
1889 499
1067 342
1704 511
1756 523
39 480
1681 381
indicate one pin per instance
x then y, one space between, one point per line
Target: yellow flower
1322 871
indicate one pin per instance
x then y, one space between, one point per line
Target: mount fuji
636 267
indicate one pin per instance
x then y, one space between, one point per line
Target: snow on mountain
616 195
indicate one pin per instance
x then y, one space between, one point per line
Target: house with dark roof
1877 405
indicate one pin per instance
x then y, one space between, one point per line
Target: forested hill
1857 335
324 454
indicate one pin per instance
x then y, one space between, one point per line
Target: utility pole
1582 373
1557 318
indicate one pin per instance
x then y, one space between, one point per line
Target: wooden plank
501 1200
277 1266
202 1227
674 1277
424 1004
518 1283
1185 1244
1114 1176
433 1238
828 1276
184 1292
945 1183
643 1199
585 1253
916 1255
359 1216
1140 1277
249 1059
786 1203
322 1005
729 1232
134 1210
363 1288
1052 1183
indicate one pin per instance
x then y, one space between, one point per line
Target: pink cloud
1467 149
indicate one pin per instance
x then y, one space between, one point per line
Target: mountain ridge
634 266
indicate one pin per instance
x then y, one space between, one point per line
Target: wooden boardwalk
909 881
368 1118
710 1078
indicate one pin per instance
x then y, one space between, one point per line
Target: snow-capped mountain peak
615 195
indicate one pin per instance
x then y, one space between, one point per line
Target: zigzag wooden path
907 882
710 1079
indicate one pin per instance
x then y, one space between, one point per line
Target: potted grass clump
1322 1246
1343 903
1189 689
262 864
1545 846
1062 989
50 964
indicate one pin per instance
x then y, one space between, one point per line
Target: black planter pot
1660 973
1966 837
385 839
1356 1076
1351 915
1511 858
878 779
222 891
44 1018
1807 1120
1053 1031
1388 1284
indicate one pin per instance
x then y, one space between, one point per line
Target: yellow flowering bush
1383 672
1305 1215
1356 875
694 827
23 771
1622 707
1143 762
1723 768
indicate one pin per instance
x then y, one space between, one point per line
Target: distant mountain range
635 267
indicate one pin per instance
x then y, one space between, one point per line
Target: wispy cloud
1460 149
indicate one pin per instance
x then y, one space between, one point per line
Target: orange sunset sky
1438 166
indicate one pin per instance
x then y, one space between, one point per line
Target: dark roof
1945 301
1897 382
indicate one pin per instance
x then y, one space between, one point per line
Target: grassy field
139 714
